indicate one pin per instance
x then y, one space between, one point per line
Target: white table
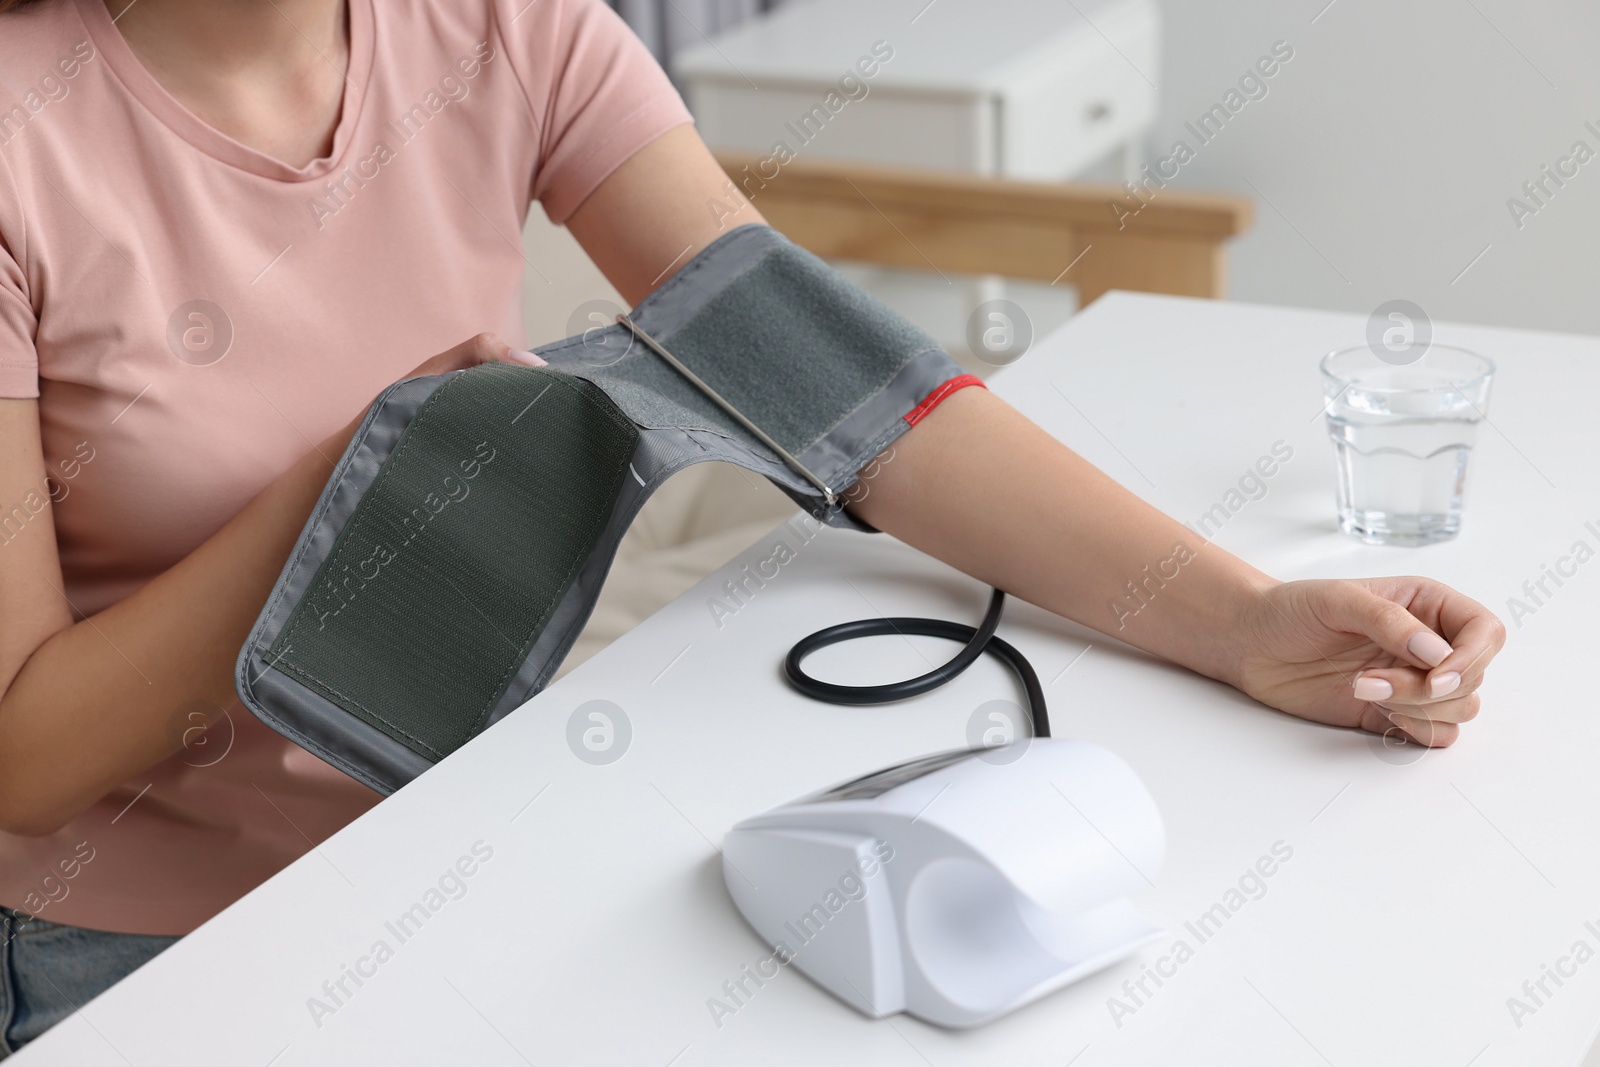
1420 895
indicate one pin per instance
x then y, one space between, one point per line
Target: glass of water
1401 435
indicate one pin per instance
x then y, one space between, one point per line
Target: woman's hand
76 716
483 348
1374 653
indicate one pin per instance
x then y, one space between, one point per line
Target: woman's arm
979 486
656 211
84 706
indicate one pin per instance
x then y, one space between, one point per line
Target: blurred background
1441 152
1381 161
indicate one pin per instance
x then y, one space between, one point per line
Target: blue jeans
48 971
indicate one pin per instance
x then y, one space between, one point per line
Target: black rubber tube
977 640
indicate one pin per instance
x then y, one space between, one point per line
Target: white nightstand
1038 89
1045 90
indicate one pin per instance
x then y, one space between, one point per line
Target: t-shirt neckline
108 40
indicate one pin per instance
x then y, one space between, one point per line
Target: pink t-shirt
192 314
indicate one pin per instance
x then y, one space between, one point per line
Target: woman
223 229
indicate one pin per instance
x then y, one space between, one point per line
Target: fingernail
1368 688
1429 647
1440 684
529 358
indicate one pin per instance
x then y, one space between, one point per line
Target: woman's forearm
979 486
112 694
96 702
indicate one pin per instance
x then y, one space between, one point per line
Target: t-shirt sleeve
596 94
19 360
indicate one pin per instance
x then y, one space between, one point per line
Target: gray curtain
668 25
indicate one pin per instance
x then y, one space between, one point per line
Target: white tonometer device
957 887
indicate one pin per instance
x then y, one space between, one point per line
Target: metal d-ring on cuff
738 416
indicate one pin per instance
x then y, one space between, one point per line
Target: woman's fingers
1354 608
1427 732
1418 721
1475 634
484 348
1428 648
1406 685
1458 710
1444 665
1475 642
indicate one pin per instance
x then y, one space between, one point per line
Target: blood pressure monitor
956 887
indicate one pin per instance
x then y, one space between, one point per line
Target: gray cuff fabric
462 540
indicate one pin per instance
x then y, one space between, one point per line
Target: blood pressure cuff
464 535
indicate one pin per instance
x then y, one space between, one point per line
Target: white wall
1389 145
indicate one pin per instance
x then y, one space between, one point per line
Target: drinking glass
1402 434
